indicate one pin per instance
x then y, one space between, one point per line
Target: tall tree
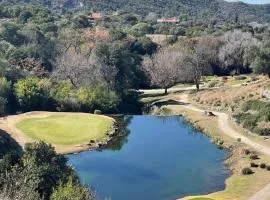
261 62
233 51
164 68
198 60
75 67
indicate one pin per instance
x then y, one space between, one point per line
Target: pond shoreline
235 161
149 140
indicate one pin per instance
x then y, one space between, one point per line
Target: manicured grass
66 129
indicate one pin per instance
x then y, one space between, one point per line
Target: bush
239 78
246 151
254 157
263 165
268 168
32 94
247 171
72 190
213 83
264 132
254 165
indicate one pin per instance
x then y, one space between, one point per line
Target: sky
254 1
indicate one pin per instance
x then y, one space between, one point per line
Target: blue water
156 158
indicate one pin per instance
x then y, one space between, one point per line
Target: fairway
66 128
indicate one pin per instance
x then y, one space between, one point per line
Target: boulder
266 93
97 112
209 113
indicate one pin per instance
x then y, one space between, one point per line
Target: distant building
168 20
95 16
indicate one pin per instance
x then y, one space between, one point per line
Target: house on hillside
168 20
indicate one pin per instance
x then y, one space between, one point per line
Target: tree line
235 52
68 63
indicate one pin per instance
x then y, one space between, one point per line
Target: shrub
268 168
254 157
246 171
212 83
264 132
263 165
254 165
239 78
32 94
246 151
72 190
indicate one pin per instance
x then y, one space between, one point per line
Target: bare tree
235 46
75 67
164 68
197 61
106 72
70 39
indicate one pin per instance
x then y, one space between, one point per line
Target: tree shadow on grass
8 144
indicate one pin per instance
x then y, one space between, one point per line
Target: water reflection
122 133
159 158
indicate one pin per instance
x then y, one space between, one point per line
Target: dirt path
224 125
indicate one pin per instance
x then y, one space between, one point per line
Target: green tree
50 168
141 29
261 63
10 32
5 92
144 46
64 96
92 98
117 34
29 93
72 190
80 21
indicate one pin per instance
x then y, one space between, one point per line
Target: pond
155 158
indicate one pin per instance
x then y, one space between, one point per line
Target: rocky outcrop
266 93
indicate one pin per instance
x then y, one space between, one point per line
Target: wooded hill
204 11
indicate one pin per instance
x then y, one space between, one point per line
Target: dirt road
224 125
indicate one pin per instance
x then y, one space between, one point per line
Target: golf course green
67 129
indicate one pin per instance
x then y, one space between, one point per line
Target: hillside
194 10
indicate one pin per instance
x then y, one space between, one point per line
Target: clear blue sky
254 1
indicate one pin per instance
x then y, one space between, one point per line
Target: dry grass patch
230 97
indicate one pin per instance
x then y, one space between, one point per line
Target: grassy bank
238 186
